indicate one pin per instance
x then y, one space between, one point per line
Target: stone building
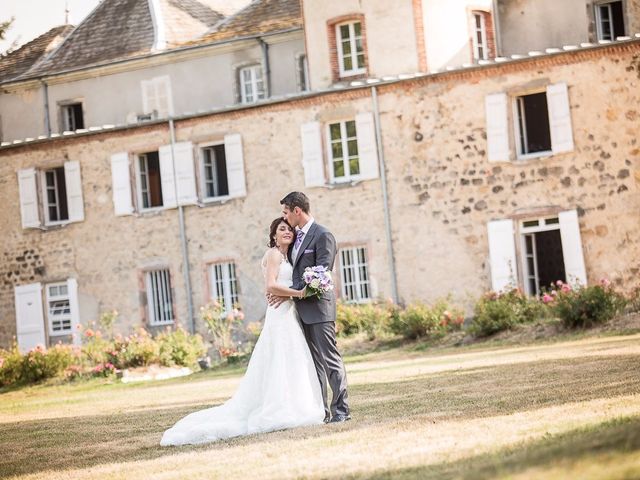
513 171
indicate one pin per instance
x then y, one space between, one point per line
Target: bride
280 388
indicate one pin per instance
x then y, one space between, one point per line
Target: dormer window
610 20
351 60
72 118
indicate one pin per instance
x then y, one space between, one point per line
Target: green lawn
567 409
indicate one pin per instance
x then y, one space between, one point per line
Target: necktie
299 235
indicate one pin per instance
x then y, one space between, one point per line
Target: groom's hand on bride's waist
275 300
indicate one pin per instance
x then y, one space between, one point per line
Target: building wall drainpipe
267 66
183 236
47 120
385 196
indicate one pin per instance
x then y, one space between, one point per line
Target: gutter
385 196
186 270
47 120
267 65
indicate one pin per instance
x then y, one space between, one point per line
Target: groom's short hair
296 199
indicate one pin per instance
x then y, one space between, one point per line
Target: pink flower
566 288
553 293
240 315
546 298
605 282
88 333
559 283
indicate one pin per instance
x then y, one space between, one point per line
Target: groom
314 246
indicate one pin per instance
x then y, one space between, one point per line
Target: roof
21 60
122 29
259 17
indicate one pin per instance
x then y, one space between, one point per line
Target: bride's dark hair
274 227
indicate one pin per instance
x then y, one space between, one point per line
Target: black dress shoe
327 419
340 418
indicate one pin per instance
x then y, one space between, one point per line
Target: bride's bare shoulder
272 255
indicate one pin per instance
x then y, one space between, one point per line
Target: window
251 84
72 118
214 172
480 47
55 195
354 275
149 180
303 72
610 20
159 297
343 145
542 254
223 284
58 309
350 48
533 133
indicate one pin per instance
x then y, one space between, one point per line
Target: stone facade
443 191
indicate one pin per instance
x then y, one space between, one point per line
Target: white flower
315 283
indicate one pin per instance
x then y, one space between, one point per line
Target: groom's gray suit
318 317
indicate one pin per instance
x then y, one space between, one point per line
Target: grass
567 409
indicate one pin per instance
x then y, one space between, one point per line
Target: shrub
586 306
222 326
420 320
36 365
373 319
178 347
495 312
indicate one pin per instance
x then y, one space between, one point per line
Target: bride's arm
273 265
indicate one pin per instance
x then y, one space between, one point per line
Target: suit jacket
318 248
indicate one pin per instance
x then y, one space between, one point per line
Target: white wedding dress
279 390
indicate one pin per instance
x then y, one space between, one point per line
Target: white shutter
74 191
367 146
166 177
185 173
312 160
497 127
121 184
502 253
29 316
149 102
559 118
235 165
74 305
28 198
572 247
164 99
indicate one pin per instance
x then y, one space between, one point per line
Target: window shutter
164 100
121 184
502 254
28 198
312 160
497 127
367 146
185 173
72 288
149 102
74 191
560 118
572 247
166 177
29 316
235 165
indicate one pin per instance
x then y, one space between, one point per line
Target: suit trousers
321 338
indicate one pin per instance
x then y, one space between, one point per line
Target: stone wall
442 191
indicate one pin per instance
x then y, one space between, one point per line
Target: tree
4 28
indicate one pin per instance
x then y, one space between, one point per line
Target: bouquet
318 280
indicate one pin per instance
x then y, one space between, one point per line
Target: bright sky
35 17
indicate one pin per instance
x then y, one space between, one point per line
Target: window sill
205 202
161 324
60 334
150 212
534 156
352 73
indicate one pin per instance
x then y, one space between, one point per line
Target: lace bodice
285 272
